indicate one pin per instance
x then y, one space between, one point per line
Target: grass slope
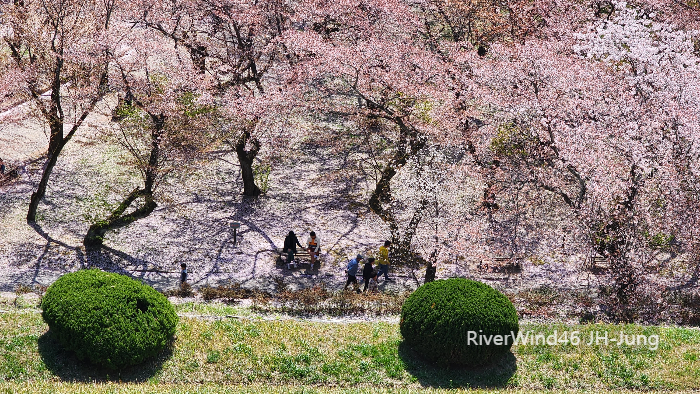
288 354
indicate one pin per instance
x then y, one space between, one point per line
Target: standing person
373 285
183 274
384 260
368 272
290 247
314 247
351 270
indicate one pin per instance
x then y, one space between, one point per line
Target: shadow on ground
496 375
65 365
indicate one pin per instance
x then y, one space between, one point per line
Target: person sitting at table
314 247
290 247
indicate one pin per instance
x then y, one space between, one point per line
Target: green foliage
422 111
536 261
125 110
261 173
511 140
312 355
659 241
159 81
190 107
96 204
437 318
108 319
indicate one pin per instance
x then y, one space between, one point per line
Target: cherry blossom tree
238 45
60 47
163 121
370 65
591 126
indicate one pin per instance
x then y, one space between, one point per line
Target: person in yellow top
384 261
314 247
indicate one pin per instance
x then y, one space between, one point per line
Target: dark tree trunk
198 53
95 235
410 143
613 241
249 187
54 115
97 231
245 158
430 271
52 156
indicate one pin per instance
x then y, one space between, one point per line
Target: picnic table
301 257
598 264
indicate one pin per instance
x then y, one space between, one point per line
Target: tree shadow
66 366
495 375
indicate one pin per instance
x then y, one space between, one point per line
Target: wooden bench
598 264
302 257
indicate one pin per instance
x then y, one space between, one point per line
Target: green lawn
222 354
117 388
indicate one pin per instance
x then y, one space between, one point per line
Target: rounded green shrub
108 319
459 322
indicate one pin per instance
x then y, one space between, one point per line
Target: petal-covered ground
193 222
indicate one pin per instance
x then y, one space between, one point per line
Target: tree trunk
38 195
54 115
245 158
95 235
614 241
97 231
198 54
249 187
410 143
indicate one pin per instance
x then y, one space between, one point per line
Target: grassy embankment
223 354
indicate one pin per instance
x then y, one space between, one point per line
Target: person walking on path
384 261
314 247
368 272
290 247
351 270
373 285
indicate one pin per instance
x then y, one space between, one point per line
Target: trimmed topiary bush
450 321
108 319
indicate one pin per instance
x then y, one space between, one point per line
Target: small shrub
443 321
108 319
318 300
660 241
22 289
183 291
229 293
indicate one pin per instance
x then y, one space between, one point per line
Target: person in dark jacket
290 247
368 272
